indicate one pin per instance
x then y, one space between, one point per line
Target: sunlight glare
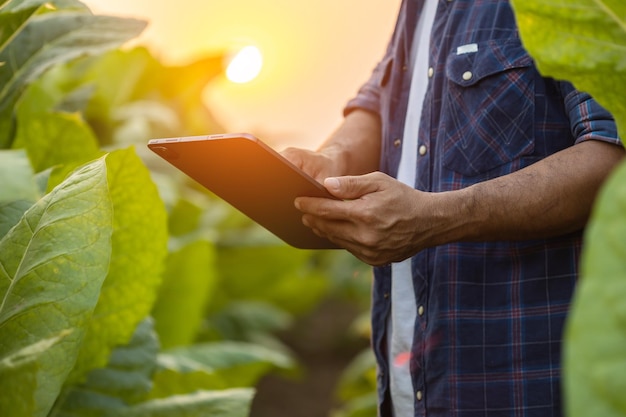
245 66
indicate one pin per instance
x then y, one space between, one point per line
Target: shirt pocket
488 110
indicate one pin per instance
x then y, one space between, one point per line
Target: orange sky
316 55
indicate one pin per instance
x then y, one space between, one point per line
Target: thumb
351 187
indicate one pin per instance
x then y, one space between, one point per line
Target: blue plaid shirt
488 341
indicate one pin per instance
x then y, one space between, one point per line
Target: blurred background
216 302
316 55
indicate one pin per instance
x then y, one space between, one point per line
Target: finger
325 208
352 187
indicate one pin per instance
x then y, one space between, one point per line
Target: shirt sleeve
588 119
368 96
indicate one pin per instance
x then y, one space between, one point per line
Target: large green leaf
582 41
50 39
52 265
595 358
139 247
188 283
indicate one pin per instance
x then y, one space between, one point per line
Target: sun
245 66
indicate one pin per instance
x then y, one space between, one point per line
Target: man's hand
316 164
377 218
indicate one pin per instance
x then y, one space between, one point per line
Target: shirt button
431 72
397 143
422 150
420 311
467 75
419 395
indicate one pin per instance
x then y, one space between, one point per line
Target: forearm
549 198
355 145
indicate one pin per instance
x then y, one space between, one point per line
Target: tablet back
252 177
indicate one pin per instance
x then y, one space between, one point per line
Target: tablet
250 176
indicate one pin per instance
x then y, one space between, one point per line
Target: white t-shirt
403 306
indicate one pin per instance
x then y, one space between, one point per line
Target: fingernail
331 183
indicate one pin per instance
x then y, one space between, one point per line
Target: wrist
355 146
457 216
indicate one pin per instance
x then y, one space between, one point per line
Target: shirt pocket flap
471 63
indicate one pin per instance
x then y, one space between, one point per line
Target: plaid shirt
488 341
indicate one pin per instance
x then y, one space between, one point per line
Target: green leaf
285 270
52 5
52 265
17 179
120 389
247 320
56 139
12 22
53 140
594 355
125 380
185 217
359 378
180 375
139 247
135 93
11 213
23 366
128 375
188 282
115 77
582 41
239 364
228 403
50 39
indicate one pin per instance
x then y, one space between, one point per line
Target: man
468 189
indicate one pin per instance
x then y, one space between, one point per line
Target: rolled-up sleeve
588 119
